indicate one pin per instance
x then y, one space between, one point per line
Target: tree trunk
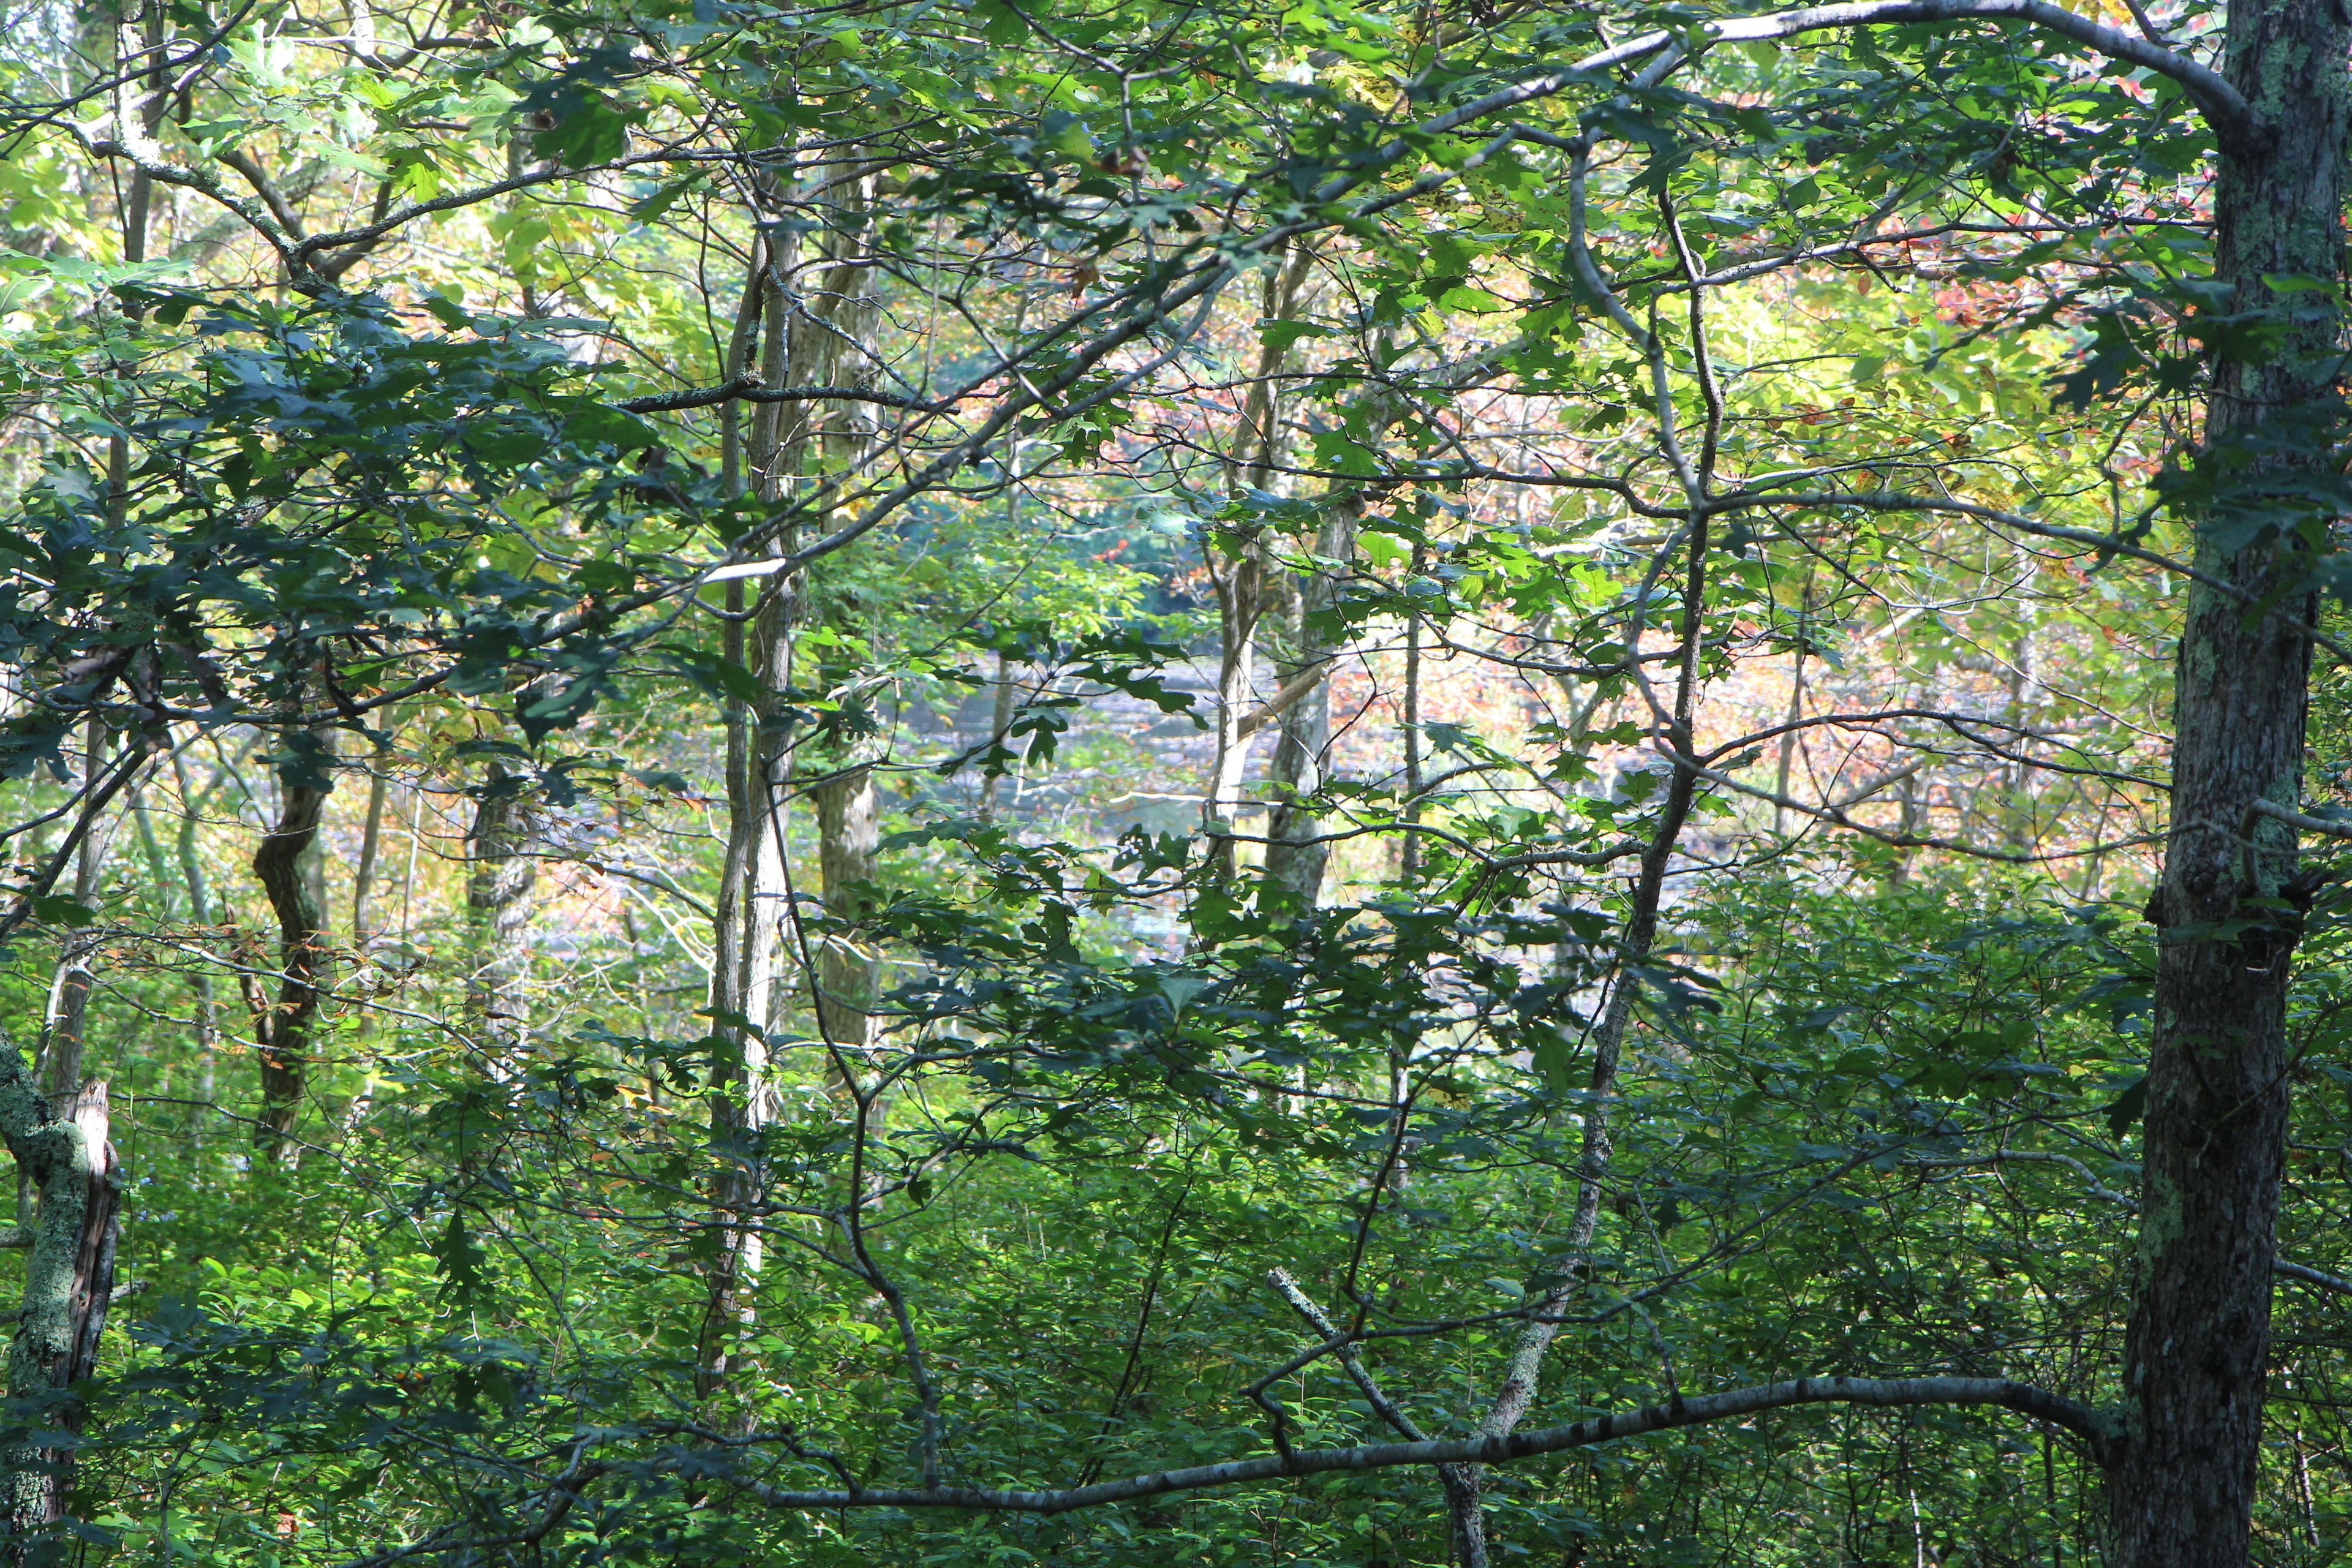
1522 1372
499 882
1796 709
1293 862
69 1281
283 1030
1409 847
1241 591
848 835
200 915
847 828
1000 726
743 977
2217 1092
363 875
140 95
1299 759
1246 582
743 919
64 1029
826 342
1522 1375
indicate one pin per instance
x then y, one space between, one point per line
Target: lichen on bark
68 1279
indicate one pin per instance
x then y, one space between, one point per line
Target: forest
1323 784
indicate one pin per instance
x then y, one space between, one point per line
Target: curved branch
2108 543
2310 1275
750 389
2100 1431
2224 108
146 155
304 249
2304 822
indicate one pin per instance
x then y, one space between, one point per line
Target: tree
2218 1069
1695 501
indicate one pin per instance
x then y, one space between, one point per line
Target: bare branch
2231 117
750 389
1276 706
2097 1429
2112 545
2327 827
1288 1288
281 209
146 155
2336 1283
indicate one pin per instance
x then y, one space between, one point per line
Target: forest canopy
1126 783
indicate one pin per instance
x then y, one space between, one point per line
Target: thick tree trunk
2217 1090
69 1281
68 1033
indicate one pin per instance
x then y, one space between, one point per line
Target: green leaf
2129 1107
1278 333
52 909
447 312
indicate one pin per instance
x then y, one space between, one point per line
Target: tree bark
64 1029
363 875
1239 588
1245 585
499 882
743 918
1730 1405
69 1281
1294 862
1409 730
2199 1340
848 838
200 915
1000 726
283 1030
1676 729
846 823
1522 1372
1296 767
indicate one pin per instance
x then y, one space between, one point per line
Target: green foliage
1767 478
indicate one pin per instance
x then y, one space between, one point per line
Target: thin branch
2108 543
2334 1282
751 389
2099 1430
2231 117
1287 1289
267 189
2327 827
